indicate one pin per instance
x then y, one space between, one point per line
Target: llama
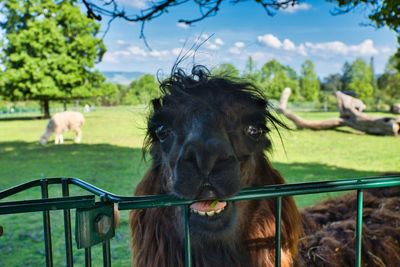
207 137
61 122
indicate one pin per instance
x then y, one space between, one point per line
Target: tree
143 90
251 72
360 79
49 52
226 69
330 84
275 77
309 82
389 83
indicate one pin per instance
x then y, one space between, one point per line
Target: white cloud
219 41
177 51
239 44
288 45
182 25
295 8
237 48
139 4
134 52
365 48
269 40
322 49
159 53
137 51
121 42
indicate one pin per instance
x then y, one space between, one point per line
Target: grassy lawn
110 157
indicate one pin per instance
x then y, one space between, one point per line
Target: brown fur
161 242
330 231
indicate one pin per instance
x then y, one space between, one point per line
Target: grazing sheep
61 122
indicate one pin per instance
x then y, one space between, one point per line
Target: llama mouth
208 208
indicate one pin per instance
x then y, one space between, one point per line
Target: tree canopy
309 83
49 52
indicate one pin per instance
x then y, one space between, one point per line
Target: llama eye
163 132
254 131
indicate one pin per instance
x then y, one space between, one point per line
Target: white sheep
61 122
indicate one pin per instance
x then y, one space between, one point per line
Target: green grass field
110 157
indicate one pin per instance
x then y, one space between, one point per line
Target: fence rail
95 221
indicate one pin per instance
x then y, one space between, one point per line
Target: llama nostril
207 192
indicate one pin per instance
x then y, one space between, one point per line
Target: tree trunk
351 115
46 108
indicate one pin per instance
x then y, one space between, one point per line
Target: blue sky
307 31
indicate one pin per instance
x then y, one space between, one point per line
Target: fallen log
351 115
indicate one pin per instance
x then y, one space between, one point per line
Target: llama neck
221 254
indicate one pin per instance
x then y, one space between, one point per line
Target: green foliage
251 73
309 82
332 83
226 69
275 77
360 79
142 91
49 51
389 83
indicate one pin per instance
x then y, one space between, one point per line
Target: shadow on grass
111 167
23 118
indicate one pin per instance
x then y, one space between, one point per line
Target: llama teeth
218 211
210 213
202 213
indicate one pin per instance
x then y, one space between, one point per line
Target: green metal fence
95 221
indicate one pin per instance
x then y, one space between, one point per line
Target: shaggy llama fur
61 122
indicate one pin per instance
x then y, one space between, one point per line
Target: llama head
207 134
44 138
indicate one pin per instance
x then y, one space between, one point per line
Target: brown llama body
330 230
207 137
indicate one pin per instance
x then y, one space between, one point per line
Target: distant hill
122 77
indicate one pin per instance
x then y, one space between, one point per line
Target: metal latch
94 225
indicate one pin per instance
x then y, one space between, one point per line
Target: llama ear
156 102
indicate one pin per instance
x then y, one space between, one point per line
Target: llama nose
208 155
207 191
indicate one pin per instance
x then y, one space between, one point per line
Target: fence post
67 226
46 226
188 248
359 227
278 216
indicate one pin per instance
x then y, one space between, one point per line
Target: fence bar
359 227
88 257
57 203
264 192
67 227
188 248
46 227
106 254
278 217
